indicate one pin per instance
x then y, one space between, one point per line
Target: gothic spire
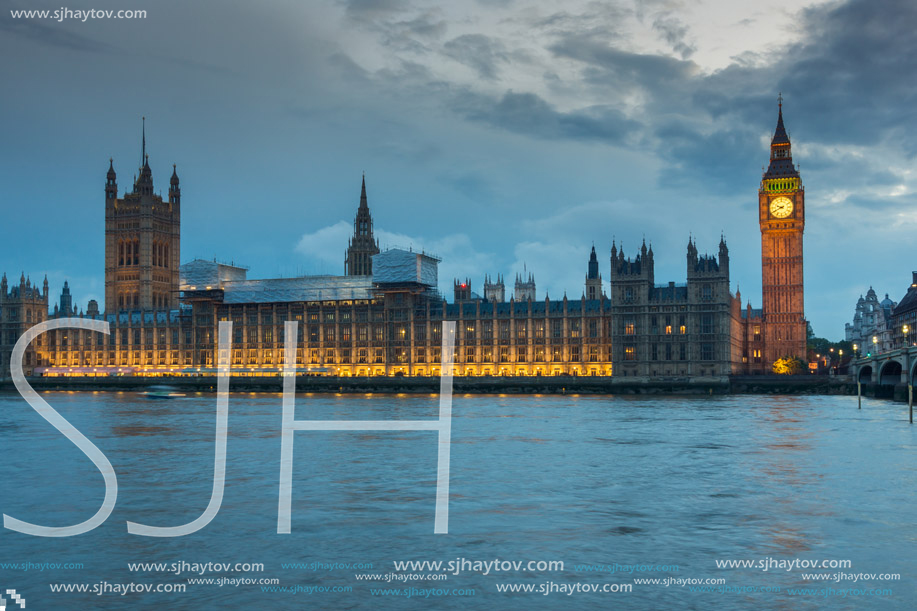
363 202
781 162
143 145
780 136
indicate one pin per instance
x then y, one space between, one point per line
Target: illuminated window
574 328
630 353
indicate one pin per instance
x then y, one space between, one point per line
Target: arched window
120 252
136 252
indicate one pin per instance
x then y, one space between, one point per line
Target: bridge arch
890 374
913 377
865 374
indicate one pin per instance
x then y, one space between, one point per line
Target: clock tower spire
781 216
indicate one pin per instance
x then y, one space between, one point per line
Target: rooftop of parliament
384 315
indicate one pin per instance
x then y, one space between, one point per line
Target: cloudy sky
495 133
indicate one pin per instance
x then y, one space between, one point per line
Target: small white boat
161 392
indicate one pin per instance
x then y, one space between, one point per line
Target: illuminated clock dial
781 207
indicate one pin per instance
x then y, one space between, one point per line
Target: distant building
494 290
903 320
593 278
525 287
872 318
21 307
65 308
358 261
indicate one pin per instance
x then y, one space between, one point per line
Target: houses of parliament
383 316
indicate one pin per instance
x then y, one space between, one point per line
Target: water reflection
581 479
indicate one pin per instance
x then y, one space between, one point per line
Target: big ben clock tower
782 217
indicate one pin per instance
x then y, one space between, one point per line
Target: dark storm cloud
608 67
426 25
851 75
601 19
481 53
718 159
528 114
851 78
675 33
473 185
363 10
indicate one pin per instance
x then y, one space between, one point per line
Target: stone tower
525 287
593 277
462 290
358 260
21 307
781 216
494 291
142 237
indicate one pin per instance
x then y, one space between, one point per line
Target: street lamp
875 342
855 349
905 329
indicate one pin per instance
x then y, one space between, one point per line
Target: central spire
362 246
143 146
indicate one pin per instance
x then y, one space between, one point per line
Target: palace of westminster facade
384 316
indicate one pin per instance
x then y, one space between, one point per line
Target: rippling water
582 479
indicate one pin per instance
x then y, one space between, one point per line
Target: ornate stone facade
142 243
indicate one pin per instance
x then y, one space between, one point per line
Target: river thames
662 487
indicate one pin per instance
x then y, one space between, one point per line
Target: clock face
781 207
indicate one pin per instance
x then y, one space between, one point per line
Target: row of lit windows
321 357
